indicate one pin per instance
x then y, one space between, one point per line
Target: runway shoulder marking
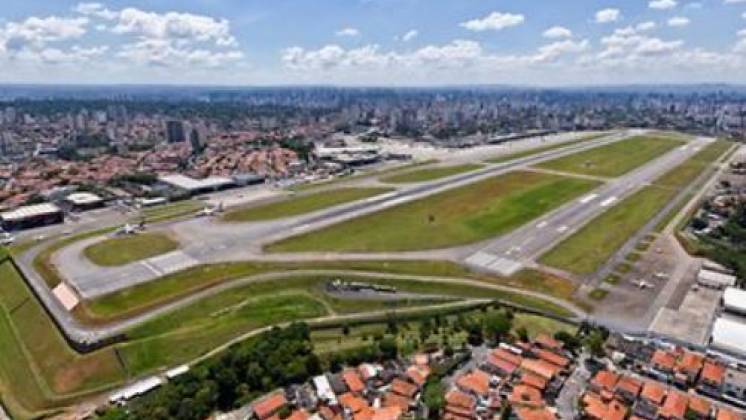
562 229
588 198
609 201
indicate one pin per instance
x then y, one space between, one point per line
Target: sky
373 42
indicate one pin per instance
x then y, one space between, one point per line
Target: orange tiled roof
418 374
353 381
526 395
699 405
675 405
713 372
552 358
605 379
548 342
690 362
653 392
629 384
594 407
403 388
387 413
663 360
534 381
502 364
725 414
299 415
269 405
460 399
507 356
352 402
544 369
396 400
476 381
526 413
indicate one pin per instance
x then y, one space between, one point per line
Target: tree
433 396
522 333
595 343
497 325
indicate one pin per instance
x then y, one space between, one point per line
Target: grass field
171 210
542 149
456 217
37 367
614 159
590 247
126 249
430 174
138 299
302 204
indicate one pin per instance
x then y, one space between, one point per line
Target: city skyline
364 43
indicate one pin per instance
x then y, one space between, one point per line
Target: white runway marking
300 228
608 201
588 198
542 224
562 229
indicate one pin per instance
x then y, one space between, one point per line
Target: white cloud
741 33
608 15
174 25
743 15
96 10
734 1
557 32
495 21
678 21
351 32
553 51
36 33
694 5
662 4
410 35
166 53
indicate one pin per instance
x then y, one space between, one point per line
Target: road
209 241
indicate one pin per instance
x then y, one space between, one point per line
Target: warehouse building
193 186
82 201
715 279
28 217
729 336
734 301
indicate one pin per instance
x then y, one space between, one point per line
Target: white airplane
661 275
127 229
642 284
6 239
206 212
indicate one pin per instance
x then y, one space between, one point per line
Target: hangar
32 216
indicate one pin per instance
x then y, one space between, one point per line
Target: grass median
430 174
542 149
590 247
615 159
302 204
455 217
126 249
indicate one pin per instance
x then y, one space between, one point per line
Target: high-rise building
175 131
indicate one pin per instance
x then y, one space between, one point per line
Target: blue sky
374 42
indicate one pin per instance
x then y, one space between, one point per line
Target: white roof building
729 335
715 279
191 184
83 199
734 300
324 389
29 212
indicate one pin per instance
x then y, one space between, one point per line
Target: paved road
209 241
509 253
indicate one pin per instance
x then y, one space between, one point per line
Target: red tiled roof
526 413
690 362
630 385
725 414
605 379
675 406
403 388
502 364
526 395
699 405
507 356
353 381
653 392
663 360
460 399
396 400
269 405
352 402
713 372
548 342
476 381
544 369
299 415
552 358
386 413
534 381
418 374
